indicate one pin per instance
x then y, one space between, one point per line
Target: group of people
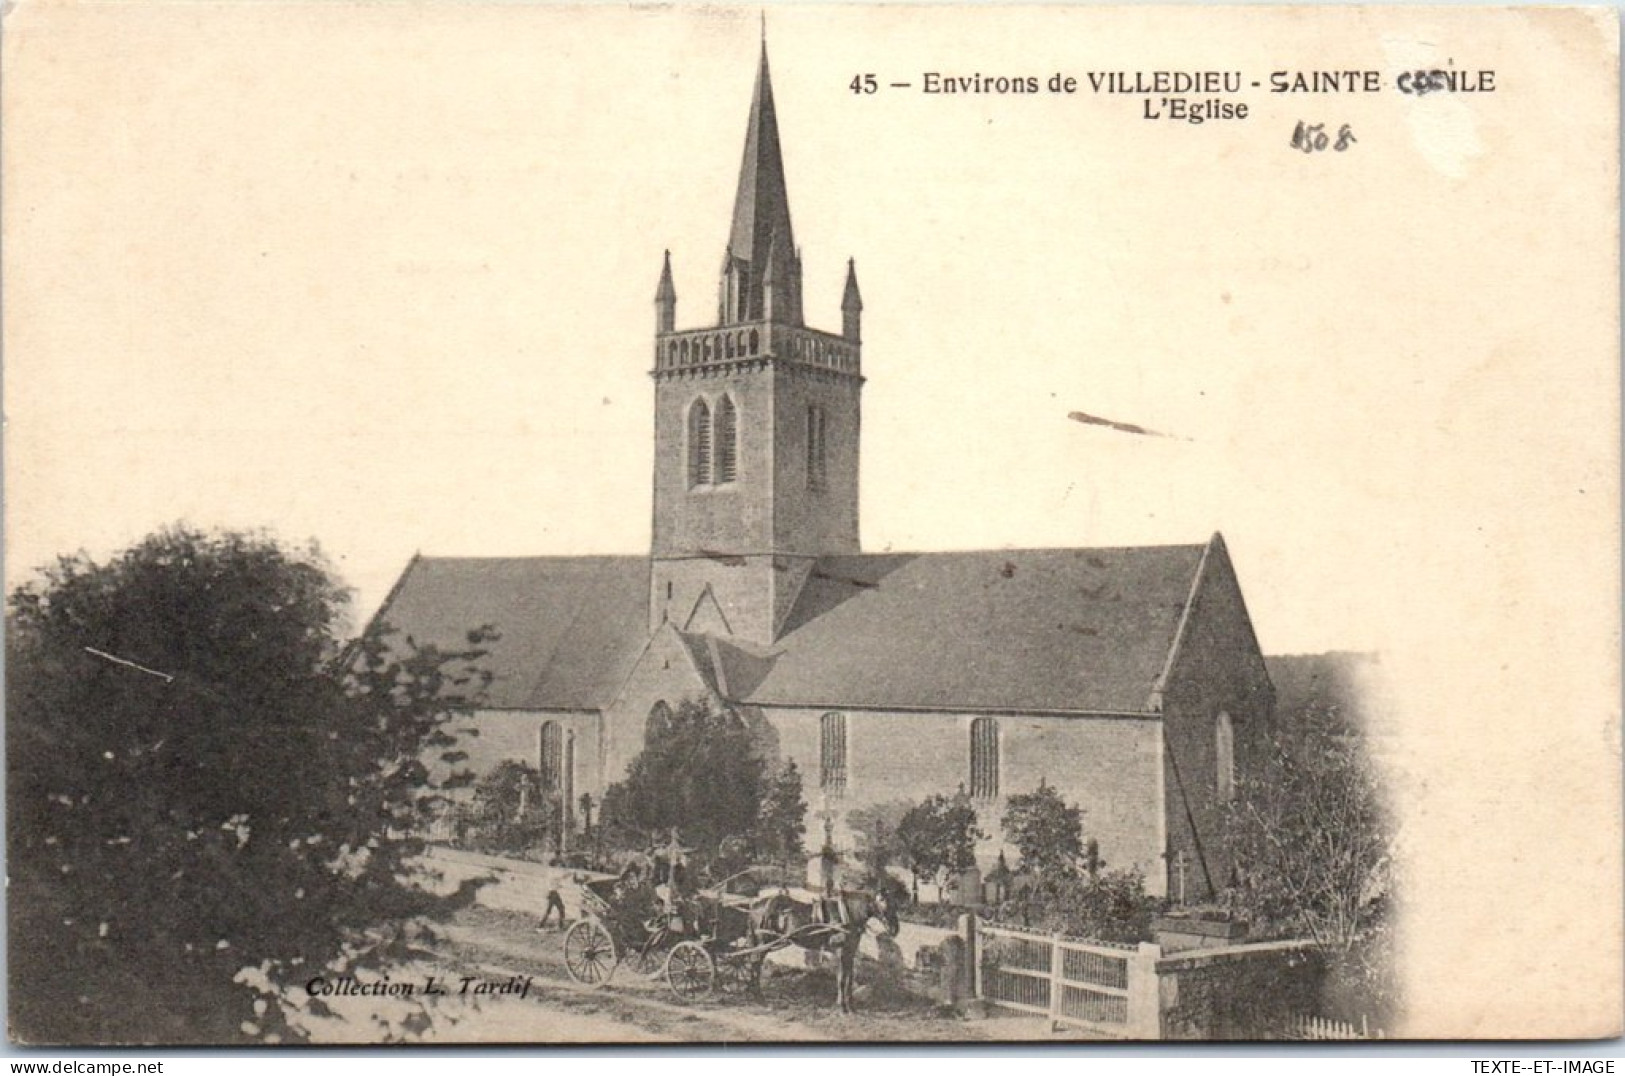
640 896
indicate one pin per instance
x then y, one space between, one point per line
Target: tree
515 814
936 835
702 774
782 820
1309 834
876 828
203 784
1046 830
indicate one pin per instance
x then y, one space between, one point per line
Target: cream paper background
382 275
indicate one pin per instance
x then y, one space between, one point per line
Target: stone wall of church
818 516
1109 766
517 734
665 673
730 517
1218 670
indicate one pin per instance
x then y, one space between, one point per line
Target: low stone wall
1239 991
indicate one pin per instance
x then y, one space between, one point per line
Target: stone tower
756 421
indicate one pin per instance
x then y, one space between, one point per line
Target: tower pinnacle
852 305
665 300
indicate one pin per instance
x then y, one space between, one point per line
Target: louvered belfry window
984 758
699 444
816 448
832 753
727 441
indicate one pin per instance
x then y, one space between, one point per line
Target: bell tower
756 421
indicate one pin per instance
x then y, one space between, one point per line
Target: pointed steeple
851 305
761 217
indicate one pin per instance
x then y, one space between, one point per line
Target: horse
827 924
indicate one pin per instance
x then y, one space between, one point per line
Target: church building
1129 679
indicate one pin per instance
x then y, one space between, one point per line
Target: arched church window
727 441
659 722
832 753
753 341
1225 753
699 444
552 756
984 758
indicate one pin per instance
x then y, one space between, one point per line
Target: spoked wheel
690 971
589 953
646 959
740 974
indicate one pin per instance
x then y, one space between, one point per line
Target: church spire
761 220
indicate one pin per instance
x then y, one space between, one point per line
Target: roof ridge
494 557
1154 700
1020 549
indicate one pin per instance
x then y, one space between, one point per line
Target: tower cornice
737 346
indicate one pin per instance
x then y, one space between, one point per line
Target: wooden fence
1099 986
1323 1029
1244 991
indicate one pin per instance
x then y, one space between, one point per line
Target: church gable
707 617
1216 653
671 669
1216 700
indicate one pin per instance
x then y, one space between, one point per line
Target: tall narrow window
567 775
832 753
727 441
552 752
699 444
659 722
984 758
816 458
1225 752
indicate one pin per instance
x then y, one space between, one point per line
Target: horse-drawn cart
717 939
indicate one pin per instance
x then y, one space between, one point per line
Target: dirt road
485 949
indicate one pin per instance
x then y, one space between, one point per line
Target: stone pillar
1144 998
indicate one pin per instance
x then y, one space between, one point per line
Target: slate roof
571 627
1030 629
1070 630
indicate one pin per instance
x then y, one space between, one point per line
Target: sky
381 275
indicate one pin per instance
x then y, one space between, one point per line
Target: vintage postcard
532 523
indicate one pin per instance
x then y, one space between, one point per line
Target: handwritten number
1312 138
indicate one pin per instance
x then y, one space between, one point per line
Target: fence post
967 930
1057 972
1144 993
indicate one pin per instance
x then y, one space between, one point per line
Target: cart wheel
690 971
589 952
740 974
